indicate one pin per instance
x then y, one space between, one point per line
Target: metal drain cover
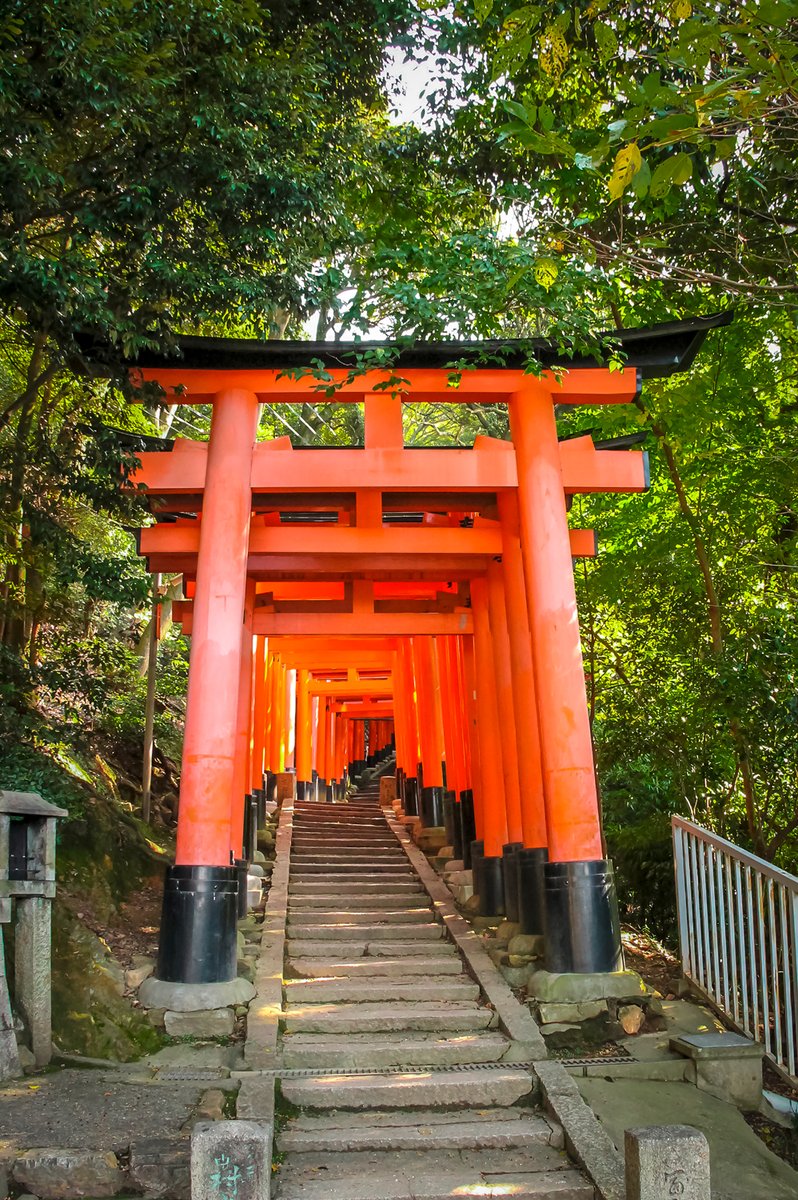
178 1074
320 1072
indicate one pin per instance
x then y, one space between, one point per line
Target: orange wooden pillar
450 705
242 770
322 725
504 697
329 757
430 731
340 754
582 927
487 868
403 764
529 867
410 711
269 781
259 715
198 942
471 815
304 736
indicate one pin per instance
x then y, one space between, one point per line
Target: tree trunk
149 710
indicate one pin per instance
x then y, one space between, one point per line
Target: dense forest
186 166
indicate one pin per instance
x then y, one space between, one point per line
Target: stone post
231 1159
32 972
667 1161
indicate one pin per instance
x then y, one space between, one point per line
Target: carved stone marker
667 1162
231 1160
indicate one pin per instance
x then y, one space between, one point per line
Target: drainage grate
598 1060
177 1074
354 1072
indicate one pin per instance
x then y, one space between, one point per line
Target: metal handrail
738 932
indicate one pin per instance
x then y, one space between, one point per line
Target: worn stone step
341 849
358 901
356 885
298 947
453 1016
430 1129
355 861
348 1051
348 817
384 933
348 916
332 968
345 868
430 1175
499 1086
330 991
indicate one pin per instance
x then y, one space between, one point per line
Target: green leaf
627 163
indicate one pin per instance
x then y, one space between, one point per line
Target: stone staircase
373 985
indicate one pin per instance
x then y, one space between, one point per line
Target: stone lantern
27 877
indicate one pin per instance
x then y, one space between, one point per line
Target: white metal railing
738 931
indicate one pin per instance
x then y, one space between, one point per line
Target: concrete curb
586 1140
260 1048
514 1020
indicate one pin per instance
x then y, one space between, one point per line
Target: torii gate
506 538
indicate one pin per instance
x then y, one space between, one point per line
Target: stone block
458 878
286 785
231 1158
663 1161
632 1018
212 1022
194 997
140 969
571 1014
507 931
160 1167
726 1065
547 986
463 893
66 1174
516 976
526 943
453 866
387 789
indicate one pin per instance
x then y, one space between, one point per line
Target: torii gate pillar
581 917
198 928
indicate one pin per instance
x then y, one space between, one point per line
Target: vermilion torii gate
451 568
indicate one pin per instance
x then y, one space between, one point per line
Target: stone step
345 846
337 814
345 868
343 932
354 862
357 901
498 1086
322 948
314 886
361 1052
348 916
349 991
430 1129
332 968
454 1016
544 1174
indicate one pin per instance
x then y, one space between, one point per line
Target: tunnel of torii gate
345 601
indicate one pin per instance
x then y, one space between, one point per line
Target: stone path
372 984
